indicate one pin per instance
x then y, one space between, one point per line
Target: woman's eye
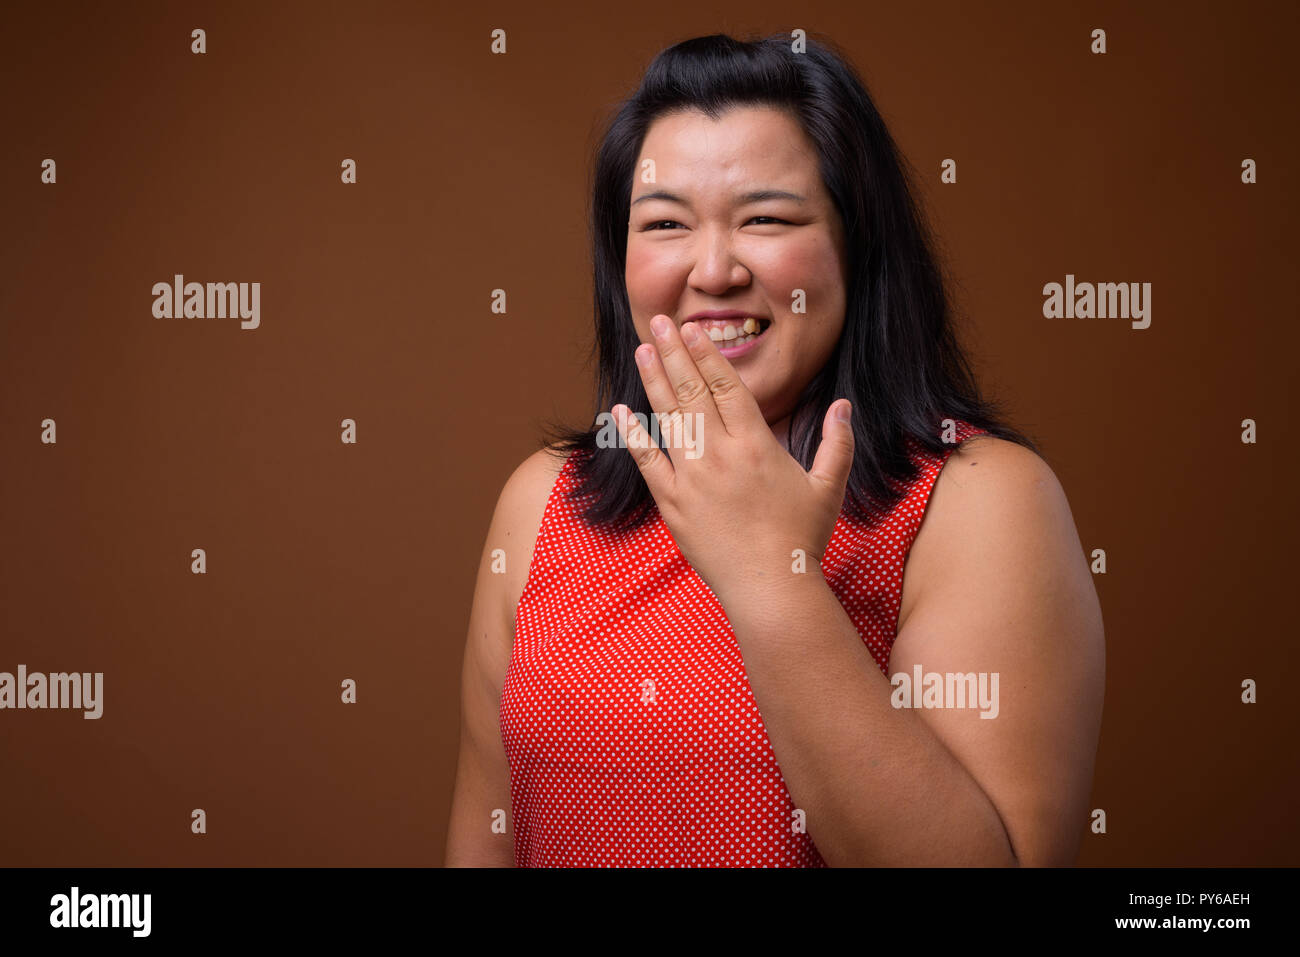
658 223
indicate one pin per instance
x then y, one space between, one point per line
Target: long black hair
898 360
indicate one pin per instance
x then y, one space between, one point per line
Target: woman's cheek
795 269
639 271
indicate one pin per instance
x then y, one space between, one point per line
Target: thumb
834 458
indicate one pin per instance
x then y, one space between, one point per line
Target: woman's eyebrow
753 196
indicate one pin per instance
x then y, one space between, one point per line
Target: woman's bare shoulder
520 510
985 476
524 496
1007 464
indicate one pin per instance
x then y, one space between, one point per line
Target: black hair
898 359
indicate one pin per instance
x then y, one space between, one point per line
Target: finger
690 393
736 405
655 466
677 392
834 459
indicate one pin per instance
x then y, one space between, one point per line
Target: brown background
327 561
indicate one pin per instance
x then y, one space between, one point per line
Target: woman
780 639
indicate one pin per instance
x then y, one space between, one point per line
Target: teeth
739 341
729 331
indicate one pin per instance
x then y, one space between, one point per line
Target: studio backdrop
251 532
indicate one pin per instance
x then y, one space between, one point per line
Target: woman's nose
716 260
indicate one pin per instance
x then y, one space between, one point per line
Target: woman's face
696 242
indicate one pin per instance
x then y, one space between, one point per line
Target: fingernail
659 326
644 354
690 332
842 413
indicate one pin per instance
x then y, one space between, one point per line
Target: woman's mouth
735 337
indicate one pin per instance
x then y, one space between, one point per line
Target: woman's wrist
765 597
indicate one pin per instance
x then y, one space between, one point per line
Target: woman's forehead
741 156
746 132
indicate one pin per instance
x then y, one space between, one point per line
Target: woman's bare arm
1005 594
482 789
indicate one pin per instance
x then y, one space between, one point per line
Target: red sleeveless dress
628 722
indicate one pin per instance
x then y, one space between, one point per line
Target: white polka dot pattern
631 732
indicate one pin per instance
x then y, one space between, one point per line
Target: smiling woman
687 659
